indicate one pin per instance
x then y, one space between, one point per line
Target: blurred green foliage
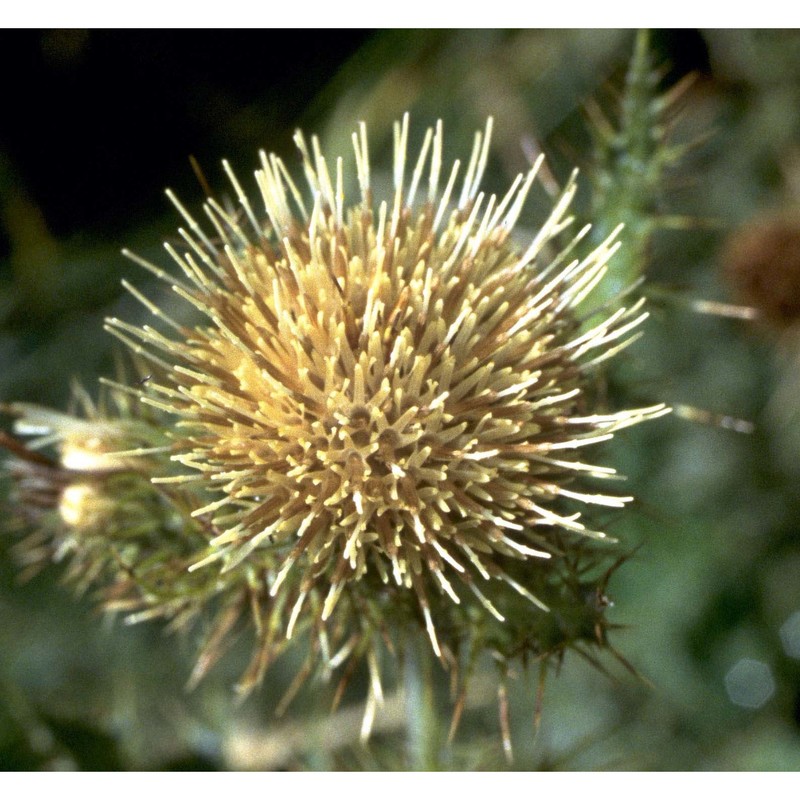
716 576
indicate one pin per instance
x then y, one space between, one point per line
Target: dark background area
100 118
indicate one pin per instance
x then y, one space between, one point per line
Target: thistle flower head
90 499
389 397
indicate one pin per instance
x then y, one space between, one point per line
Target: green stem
422 725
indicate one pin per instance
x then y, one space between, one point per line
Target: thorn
505 728
201 178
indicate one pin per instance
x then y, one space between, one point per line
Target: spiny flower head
386 399
91 502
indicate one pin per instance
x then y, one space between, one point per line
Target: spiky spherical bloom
387 399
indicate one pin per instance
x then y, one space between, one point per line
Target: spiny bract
389 396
